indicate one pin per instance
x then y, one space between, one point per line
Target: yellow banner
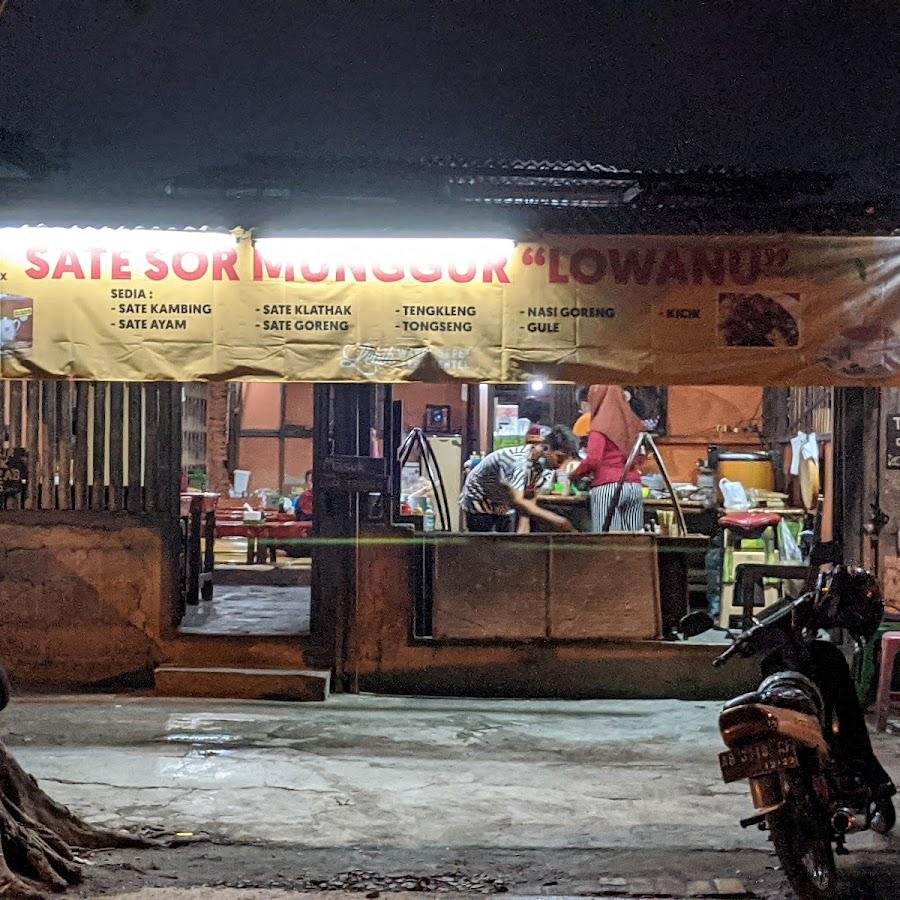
145 305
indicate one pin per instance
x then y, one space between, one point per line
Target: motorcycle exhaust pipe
846 821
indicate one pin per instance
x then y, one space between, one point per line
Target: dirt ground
269 871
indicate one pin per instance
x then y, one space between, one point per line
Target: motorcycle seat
747 699
784 690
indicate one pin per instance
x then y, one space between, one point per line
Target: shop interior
711 451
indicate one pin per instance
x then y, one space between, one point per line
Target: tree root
37 835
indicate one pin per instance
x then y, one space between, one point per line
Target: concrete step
224 651
301 685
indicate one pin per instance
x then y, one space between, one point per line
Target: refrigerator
448 450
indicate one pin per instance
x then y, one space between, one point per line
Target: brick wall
81 597
217 438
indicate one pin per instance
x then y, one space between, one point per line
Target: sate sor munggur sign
143 305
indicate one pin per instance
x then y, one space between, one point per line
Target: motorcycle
800 739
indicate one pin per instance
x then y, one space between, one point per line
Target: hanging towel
810 448
797 444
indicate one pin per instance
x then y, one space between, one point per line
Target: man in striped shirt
504 483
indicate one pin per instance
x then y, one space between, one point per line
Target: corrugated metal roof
276 195
531 181
285 217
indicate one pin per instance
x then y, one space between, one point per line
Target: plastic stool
890 651
865 665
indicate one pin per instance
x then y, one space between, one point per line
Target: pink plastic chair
890 650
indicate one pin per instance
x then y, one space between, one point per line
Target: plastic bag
788 547
734 495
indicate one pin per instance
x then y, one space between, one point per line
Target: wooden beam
16 423
48 444
33 426
80 468
116 462
98 466
63 462
174 442
151 444
163 455
135 435
169 451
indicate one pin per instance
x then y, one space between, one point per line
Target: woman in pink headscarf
614 432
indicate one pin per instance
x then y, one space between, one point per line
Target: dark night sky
788 83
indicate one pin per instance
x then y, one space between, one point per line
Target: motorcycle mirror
696 623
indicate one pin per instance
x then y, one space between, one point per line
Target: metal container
752 470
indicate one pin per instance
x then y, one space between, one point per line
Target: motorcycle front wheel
802 840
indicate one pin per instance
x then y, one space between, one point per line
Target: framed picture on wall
437 419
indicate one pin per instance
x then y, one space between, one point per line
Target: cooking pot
752 470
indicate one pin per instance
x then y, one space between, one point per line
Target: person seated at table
303 505
614 432
504 483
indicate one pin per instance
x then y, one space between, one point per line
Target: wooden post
151 435
135 430
235 401
80 473
33 393
116 463
98 485
828 492
168 491
856 467
168 484
174 447
164 457
48 444
63 464
16 432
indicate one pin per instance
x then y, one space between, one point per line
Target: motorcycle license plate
758 759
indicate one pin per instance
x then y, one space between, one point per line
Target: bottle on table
429 520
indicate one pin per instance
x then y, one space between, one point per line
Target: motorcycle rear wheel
803 844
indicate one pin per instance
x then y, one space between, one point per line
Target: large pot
752 470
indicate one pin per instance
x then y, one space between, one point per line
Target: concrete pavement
413 776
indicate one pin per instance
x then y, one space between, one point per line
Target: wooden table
263 538
574 507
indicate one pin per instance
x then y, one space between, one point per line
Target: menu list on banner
155 305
